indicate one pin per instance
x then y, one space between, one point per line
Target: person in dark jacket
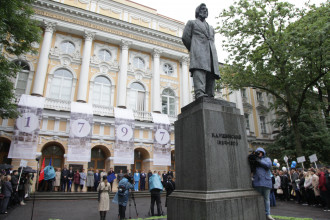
155 188
7 191
262 180
70 179
21 189
143 180
97 179
149 175
14 183
169 187
64 178
284 186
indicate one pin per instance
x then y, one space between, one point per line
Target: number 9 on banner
124 132
80 128
162 136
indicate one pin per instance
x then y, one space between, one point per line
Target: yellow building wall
136 133
50 125
145 134
62 125
106 130
76 3
104 12
11 122
96 129
254 112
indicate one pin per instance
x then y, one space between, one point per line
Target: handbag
279 191
293 192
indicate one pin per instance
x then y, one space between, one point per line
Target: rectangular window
263 125
259 96
243 93
21 83
247 121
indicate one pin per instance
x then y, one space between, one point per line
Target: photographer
169 186
155 188
262 180
122 194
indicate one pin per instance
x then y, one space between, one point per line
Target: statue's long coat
200 43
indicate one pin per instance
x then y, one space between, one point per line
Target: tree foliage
279 49
18 32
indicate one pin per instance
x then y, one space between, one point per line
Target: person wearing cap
262 180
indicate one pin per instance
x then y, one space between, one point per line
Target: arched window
168 69
61 85
55 153
22 77
102 91
67 47
137 96
168 102
138 63
97 159
104 55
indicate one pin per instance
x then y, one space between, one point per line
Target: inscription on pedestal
226 139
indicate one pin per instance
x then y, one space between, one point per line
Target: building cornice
94 21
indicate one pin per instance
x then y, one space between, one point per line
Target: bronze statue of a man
198 37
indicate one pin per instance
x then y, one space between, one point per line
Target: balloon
275 161
284 169
274 164
292 166
294 163
278 165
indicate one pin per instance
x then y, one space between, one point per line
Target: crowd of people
306 187
69 180
14 188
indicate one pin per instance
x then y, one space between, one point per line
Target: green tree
279 49
18 32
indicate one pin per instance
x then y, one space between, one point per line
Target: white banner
81 121
301 159
312 158
27 127
124 136
162 140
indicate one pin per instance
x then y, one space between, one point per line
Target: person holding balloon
262 180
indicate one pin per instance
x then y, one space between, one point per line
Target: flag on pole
42 174
50 162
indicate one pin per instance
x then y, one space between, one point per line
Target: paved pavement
87 209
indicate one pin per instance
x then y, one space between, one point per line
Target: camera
253 161
130 179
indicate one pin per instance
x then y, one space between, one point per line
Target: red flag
42 174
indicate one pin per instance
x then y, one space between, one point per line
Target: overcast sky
184 10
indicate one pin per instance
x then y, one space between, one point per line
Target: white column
40 76
83 78
185 81
156 102
122 81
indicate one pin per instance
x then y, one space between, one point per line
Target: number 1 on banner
28 122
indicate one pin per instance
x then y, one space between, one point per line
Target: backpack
121 190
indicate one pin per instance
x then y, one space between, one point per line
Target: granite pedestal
212 172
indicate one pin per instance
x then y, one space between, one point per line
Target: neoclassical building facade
113 54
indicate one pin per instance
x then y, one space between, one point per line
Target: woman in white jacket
277 184
309 188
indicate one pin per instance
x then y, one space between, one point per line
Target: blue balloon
274 164
294 163
292 166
